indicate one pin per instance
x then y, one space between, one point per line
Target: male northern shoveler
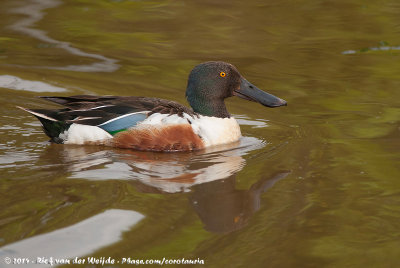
153 124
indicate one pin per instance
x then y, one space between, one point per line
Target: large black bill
250 92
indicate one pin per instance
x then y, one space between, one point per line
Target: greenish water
313 184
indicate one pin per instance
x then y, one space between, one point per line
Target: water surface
313 184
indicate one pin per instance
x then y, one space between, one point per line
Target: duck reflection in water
223 208
209 176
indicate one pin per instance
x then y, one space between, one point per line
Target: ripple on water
79 239
16 152
32 13
16 83
169 172
259 123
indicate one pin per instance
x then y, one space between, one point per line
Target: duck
155 124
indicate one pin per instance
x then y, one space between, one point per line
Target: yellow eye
222 74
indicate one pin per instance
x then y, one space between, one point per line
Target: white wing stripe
122 116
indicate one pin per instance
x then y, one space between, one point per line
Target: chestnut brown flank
152 138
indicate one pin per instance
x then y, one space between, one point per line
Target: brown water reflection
223 208
336 64
209 175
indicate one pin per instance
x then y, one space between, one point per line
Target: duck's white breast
214 130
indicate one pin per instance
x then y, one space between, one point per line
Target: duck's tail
51 126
